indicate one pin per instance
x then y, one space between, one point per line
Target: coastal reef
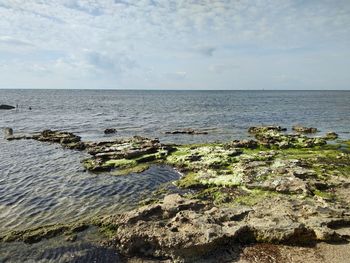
274 188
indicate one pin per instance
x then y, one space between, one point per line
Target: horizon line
106 89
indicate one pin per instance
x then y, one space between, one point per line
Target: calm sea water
41 183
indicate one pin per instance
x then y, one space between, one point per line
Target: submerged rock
186 131
37 234
6 107
110 131
303 129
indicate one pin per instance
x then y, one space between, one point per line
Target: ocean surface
41 183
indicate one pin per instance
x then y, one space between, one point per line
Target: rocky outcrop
302 129
6 107
331 136
124 153
280 188
249 144
177 228
272 138
66 139
185 229
187 131
260 129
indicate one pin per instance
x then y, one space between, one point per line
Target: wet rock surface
132 153
260 129
331 136
186 131
66 139
280 188
273 138
110 131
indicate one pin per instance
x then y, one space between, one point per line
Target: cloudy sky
182 44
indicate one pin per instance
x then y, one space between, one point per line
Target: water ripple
45 184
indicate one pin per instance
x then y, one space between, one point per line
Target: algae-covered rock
249 144
331 136
260 129
276 139
37 234
281 188
125 154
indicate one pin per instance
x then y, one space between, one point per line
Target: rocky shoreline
278 188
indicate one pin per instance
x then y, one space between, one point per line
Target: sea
41 183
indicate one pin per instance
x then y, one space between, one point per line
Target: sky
182 44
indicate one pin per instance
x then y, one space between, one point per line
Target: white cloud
115 39
11 41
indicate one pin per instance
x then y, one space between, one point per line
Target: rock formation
280 188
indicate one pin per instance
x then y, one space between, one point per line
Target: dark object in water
186 131
262 129
110 131
6 107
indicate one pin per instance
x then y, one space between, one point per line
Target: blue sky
150 44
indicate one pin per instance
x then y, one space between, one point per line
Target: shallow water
41 183
85 249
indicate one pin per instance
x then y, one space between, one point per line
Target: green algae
319 162
121 163
220 174
325 195
107 229
34 235
189 181
254 196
